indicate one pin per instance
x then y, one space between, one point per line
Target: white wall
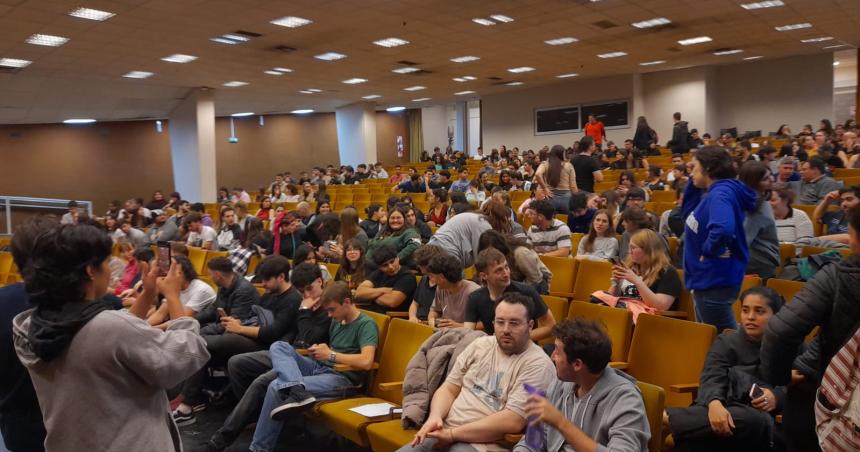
192 146
356 133
434 127
508 118
668 92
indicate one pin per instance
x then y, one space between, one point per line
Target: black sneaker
297 399
183 419
208 446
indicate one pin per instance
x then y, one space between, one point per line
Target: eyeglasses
501 324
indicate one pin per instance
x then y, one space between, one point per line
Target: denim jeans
561 201
293 369
714 306
250 375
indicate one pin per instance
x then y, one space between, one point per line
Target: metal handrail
8 202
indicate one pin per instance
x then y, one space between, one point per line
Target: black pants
692 430
221 348
798 418
250 375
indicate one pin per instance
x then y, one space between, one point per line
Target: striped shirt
550 239
837 410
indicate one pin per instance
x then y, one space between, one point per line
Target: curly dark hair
585 340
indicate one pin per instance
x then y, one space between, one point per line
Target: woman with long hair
438 208
292 194
376 216
266 212
647 273
74 333
307 192
644 134
600 243
784 132
558 178
524 262
397 234
413 221
349 231
759 226
826 127
306 253
352 267
322 209
278 196
459 235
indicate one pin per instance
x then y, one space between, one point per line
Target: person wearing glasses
484 396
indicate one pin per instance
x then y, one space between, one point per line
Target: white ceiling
83 77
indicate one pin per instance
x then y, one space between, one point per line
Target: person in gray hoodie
591 406
759 225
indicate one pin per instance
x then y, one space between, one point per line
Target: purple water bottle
535 437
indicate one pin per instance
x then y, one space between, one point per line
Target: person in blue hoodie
715 245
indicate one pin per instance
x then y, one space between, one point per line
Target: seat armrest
391 386
618 365
348 368
567 295
397 314
674 314
688 388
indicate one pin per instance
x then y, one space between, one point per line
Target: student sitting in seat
600 243
525 264
194 294
483 397
425 292
647 273
734 408
390 287
589 406
549 235
452 292
352 268
199 234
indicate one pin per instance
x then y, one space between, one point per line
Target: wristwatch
332 357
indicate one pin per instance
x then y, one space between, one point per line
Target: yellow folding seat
563 275
618 323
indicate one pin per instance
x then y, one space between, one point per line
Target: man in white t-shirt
194 296
452 292
483 397
200 235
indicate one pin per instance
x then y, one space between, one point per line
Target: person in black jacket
251 373
680 135
831 301
735 408
644 134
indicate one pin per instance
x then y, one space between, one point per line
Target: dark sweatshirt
312 327
285 308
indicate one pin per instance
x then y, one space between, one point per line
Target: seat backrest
785 287
749 281
786 252
618 323
381 326
666 351
591 277
575 238
685 302
197 256
402 341
654 398
558 307
563 273
209 256
5 262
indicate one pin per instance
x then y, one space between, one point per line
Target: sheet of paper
373 409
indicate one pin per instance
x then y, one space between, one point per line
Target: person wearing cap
636 198
290 233
71 216
162 230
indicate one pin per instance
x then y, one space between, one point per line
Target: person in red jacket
595 129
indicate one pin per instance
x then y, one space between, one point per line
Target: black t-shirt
424 296
668 283
481 308
585 166
401 282
446 185
285 309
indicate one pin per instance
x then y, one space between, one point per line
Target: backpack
805 268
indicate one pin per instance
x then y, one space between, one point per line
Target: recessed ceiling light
502 18
756 57
314 90
793 27
728 52
240 115
291 21
179 58
760 5
696 40
517 70
236 37
572 74
14 62
91 14
415 88
354 81
420 99
304 91
561 41
371 96
465 78
79 121
463 93
221 40
655 22
612 55
138 74
465 59
302 111
514 83
482 21
235 83
394 109
836 63
821 39
405 70
47 40
835 46
282 69
652 63
391 42
271 72
330 56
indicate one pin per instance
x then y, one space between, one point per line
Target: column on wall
473 127
461 132
192 146
356 133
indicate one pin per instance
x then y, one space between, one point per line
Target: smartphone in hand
163 258
756 391
221 312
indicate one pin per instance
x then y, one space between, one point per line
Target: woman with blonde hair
647 273
600 243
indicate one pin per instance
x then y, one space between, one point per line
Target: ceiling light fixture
655 22
282 69
572 74
235 37
314 90
484 22
502 18
405 70
420 99
235 84
330 56
793 27
221 40
561 41
14 62
395 109
79 121
696 40
371 96
271 72
304 91
728 52
391 42
751 58
652 63
91 14
463 93
415 88
354 81
612 55
821 39
514 83
760 5
836 63
138 74
302 111
518 70
291 21
465 78
179 58
242 115
47 40
835 46
465 59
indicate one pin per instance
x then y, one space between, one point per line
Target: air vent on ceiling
9 70
494 78
605 24
283 49
249 34
407 63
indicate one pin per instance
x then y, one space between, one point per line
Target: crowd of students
734 208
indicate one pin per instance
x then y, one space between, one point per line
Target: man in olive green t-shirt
301 379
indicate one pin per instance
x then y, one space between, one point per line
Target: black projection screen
554 120
613 114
